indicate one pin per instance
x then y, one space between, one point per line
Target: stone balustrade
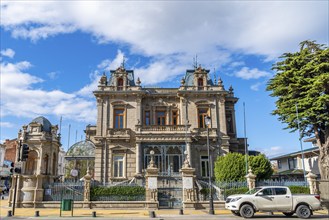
161 128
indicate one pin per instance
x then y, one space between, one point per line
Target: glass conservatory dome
82 149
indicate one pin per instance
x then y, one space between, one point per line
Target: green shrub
117 191
232 191
299 189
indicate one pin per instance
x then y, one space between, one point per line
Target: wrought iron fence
281 183
63 190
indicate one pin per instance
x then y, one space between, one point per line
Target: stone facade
41 165
133 120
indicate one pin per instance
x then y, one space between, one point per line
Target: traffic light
25 152
12 169
17 170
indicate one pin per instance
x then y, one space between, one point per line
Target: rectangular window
161 117
292 163
202 113
204 166
279 164
280 191
147 118
119 118
118 165
175 117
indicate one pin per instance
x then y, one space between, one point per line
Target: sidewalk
130 214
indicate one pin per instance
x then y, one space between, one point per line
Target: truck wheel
288 214
236 213
303 211
247 211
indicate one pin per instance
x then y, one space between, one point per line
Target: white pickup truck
272 199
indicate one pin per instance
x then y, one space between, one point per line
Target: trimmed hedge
299 189
117 191
232 191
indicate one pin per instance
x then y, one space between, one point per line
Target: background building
290 166
133 120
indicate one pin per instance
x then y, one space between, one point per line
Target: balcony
119 134
202 133
162 128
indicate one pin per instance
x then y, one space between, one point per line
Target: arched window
31 163
54 165
200 84
120 84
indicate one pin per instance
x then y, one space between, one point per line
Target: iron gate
170 192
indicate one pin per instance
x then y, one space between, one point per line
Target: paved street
52 213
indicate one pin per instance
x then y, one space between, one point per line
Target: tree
302 82
260 166
231 167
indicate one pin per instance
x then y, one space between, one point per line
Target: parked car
272 199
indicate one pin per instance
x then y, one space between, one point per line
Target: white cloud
255 73
155 28
20 98
6 124
104 66
255 87
108 64
273 151
52 75
8 53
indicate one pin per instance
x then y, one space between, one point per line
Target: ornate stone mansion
133 120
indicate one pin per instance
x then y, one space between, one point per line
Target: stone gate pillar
152 173
311 179
251 179
188 185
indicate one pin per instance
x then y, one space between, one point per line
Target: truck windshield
253 191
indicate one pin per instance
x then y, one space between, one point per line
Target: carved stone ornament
103 80
182 82
138 82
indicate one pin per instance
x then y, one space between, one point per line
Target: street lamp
211 201
15 185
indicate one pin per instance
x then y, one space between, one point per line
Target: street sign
74 172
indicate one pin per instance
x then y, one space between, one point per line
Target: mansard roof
130 76
46 125
190 75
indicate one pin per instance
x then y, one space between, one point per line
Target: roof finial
195 61
215 76
123 61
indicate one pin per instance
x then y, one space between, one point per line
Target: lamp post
15 189
211 201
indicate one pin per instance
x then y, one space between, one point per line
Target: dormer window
120 84
200 84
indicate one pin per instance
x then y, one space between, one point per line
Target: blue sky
53 53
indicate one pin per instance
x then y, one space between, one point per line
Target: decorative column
251 179
311 179
86 190
188 185
152 173
138 159
222 115
99 116
225 145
